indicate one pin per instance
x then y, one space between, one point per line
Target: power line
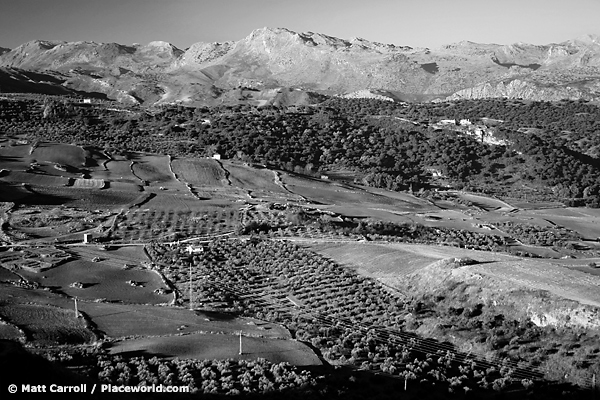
385 335
381 334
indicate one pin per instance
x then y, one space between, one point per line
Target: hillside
379 144
312 235
274 58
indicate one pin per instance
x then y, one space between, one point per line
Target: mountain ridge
271 58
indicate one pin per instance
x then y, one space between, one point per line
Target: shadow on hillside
216 316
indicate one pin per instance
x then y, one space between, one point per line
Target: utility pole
191 292
241 343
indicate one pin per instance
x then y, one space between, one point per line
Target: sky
415 23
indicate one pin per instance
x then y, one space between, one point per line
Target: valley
240 249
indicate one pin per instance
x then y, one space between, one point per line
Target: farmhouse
435 172
194 249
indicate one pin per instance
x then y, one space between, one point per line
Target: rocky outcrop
541 292
368 94
571 315
517 88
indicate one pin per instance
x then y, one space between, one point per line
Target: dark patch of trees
551 144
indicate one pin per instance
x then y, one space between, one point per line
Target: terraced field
257 181
155 171
89 183
199 172
117 171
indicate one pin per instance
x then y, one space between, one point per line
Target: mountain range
279 66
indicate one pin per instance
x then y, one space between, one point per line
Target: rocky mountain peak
271 58
269 39
160 46
588 39
35 46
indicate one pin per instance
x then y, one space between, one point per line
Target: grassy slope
210 346
60 153
201 172
414 267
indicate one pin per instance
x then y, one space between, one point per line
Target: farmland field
392 259
593 212
118 171
199 172
12 192
15 157
155 171
106 279
64 154
356 211
211 346
6 275
118 320
253 179
585 223
46 324
406 201
124 186
15 152
35 179
54 222
375 260
342 195
525 205
484 202
511 272
450 219
81 198
330 193
123 320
